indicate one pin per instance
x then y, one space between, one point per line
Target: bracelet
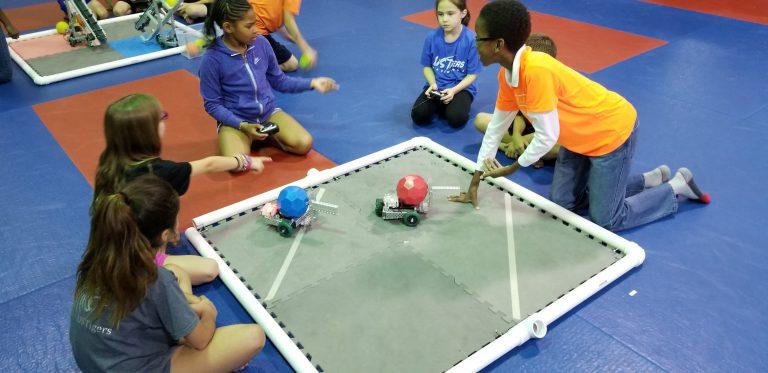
238 163
248 162
242 163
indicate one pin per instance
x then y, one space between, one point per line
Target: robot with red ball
293 210
412 200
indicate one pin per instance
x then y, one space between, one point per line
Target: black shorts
281 52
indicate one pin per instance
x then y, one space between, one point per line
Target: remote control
269 128
436 94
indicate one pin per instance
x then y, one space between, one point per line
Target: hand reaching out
324 85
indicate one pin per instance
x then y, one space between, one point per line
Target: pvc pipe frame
534 326
48 79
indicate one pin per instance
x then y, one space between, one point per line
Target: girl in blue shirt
451 65
237 75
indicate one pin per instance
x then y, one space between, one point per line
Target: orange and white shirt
562 105
269 13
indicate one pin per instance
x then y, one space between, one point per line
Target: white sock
657 176
683 184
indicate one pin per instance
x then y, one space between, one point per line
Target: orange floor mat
76 123
582 46
34 17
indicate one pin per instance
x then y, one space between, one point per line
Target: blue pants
615 199
5 60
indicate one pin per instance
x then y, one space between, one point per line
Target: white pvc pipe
276 334
43 80
534 326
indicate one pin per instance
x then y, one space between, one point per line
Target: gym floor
697 71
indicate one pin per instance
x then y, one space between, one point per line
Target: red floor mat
34 17
745 10
582 46
76 123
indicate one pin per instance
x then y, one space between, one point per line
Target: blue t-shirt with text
451 62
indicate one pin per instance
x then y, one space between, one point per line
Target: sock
683 185
657 176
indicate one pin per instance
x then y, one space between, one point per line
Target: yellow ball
304 61
62 27
171 3
200 43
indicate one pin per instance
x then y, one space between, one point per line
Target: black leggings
456 113
5 60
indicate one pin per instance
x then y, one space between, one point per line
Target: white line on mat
289 257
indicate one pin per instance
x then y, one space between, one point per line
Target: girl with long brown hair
130 314
133 129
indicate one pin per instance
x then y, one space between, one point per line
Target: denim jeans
5 60
615 199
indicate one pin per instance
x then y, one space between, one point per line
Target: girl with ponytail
237 75
130 314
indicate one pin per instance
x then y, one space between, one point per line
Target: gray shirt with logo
144 340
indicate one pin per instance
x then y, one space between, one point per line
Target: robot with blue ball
293 210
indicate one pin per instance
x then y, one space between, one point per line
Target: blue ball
293 202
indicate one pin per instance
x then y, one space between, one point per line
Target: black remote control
436 94
269 128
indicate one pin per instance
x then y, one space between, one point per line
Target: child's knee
209 270
457 119
480 123
420 117
196 11
604 222
98 10
304 145
121 8
254 338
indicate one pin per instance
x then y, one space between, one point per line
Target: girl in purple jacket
237 75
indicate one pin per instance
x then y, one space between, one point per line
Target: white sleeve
547 131
498 126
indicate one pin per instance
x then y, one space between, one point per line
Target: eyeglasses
164 116
477 40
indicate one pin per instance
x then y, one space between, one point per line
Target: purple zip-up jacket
239 89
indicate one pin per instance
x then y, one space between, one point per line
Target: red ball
412 189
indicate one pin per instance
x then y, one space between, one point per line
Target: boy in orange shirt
520 133
595 127
280 16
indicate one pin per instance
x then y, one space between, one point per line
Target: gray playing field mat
365 294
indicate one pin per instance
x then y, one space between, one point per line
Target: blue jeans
6 69
615 199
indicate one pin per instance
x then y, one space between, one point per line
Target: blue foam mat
134 46
44 207
699 302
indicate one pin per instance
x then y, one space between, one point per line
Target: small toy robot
160 14
293 210
412 200
82 26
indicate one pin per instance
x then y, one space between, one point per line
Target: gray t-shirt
144 340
